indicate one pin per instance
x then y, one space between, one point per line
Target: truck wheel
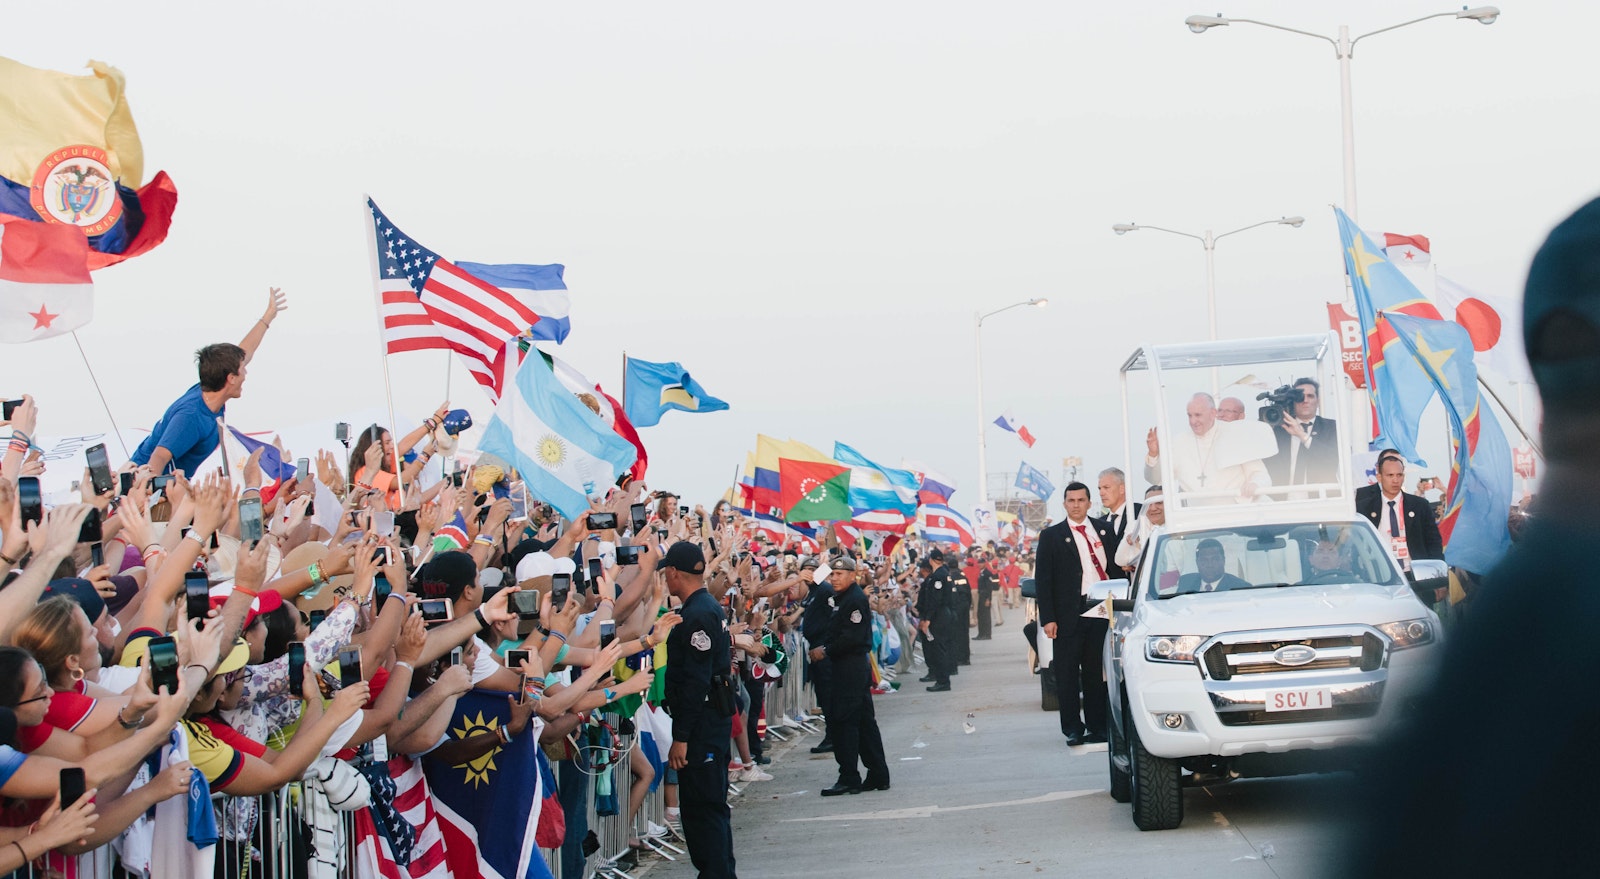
1121 778
1157 793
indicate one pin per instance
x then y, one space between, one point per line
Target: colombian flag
71 155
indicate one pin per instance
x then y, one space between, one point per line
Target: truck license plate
1299 700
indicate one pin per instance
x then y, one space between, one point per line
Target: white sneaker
754 773
789 723
654 830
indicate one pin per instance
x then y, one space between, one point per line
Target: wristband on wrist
8 559
315 573
610 694
560 636
401 663
483 621
202 667
129 724
25 858
503 734
250 592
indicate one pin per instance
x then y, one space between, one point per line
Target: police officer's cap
685 556
809 562
936 555
843 563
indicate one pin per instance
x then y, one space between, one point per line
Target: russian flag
940 524
933 488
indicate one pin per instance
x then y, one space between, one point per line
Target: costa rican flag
941 524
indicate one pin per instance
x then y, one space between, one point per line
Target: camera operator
1308 444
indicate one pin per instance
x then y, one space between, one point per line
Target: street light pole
1209 242
977 347
1344 49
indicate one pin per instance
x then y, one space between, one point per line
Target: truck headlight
1408 633
1172 648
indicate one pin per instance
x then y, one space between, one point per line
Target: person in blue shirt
186 435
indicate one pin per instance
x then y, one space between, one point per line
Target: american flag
429 302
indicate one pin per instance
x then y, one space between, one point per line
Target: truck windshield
1270 556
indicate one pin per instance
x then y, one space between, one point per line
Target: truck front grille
1226 660
1354 711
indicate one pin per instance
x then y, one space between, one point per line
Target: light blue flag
1474 524
1400 389
874 488
541 288
650 389
565 453
1034 482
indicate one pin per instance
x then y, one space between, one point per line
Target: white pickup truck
1258 636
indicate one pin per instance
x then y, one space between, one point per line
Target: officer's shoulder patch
855 616
700 641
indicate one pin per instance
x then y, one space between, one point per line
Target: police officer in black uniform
934 612
699 658
961 593
814 627
852 721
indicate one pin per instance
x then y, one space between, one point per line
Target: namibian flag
452 536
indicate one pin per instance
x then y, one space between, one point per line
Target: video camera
1280 403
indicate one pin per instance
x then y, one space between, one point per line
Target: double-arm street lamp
1343 48
1209 241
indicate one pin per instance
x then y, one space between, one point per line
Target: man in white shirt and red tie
1404 519
1071 556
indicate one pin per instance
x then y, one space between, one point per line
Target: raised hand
1151 444
277 303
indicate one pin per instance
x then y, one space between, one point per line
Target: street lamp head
1202 23
1038 303
1480 14
1124 228
1296 222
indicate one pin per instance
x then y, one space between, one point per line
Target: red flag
795 478
1025 436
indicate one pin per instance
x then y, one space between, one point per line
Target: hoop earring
77 675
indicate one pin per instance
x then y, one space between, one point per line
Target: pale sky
804 204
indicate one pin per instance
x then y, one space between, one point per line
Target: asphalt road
1009 798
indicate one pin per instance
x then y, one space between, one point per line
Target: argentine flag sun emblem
552 451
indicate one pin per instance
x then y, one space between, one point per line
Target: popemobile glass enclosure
1208 465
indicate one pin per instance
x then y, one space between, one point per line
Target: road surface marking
930 811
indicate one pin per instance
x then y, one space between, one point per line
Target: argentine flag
541 288
875 488
565 453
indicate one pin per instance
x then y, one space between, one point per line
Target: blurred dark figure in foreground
1499 774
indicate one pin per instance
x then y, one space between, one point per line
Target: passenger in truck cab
1210 575
1331 563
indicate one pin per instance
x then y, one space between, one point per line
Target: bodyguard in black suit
1060 578
1398 515
1317 457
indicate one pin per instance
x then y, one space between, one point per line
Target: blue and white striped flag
541 288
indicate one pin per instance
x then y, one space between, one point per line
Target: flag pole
1515 422
96 382
625 383
383 347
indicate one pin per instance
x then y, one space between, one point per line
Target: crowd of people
183 633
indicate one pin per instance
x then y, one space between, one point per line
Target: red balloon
1481 322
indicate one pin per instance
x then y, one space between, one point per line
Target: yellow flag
42 111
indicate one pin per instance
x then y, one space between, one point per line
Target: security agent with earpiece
699 697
